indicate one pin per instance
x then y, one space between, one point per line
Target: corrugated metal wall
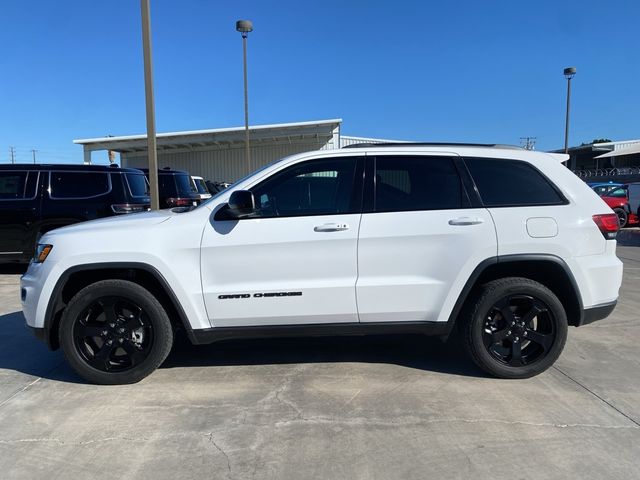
222 164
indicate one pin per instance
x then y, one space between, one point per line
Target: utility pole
569 73
33 150
12 154
151 114
528 143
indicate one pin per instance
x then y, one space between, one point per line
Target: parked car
618 200
201 186
35 199
504 246
633 192
175 188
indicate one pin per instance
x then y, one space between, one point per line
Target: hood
128 221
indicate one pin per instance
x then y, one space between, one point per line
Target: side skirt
211 335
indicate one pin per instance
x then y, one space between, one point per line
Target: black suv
37 198
175 188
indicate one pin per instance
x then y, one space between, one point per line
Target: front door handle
464 221
331 227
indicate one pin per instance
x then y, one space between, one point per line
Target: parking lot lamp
569 72
244 27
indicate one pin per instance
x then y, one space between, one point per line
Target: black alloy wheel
518 330
514 327
113 334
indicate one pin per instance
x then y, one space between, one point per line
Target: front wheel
115 332
515 328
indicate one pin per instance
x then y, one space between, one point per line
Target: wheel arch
547 269
80 276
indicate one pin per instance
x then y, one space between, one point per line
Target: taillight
129 208
180 202
608 224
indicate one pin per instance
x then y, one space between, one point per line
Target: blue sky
472 71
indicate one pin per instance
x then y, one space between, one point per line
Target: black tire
115 332
514 328
623 216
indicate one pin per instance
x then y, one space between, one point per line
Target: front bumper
599 312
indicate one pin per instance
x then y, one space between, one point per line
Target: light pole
244 27
569 72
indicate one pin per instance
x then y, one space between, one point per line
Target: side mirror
242 203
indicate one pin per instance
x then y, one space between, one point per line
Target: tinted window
138 184
318 187
185 184
417 183
503 183
200 185
12 185
78 184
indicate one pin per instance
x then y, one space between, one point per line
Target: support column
87 156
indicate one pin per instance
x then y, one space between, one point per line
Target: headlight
42 252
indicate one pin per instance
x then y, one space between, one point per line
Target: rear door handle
331 227
464 221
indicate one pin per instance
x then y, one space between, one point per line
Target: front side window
317 187
78 184
12 185
417 183
508 183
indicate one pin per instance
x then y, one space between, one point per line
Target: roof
632 149
67 166
318 129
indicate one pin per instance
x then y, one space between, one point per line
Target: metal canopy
220 137
633 149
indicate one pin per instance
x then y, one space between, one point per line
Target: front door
295 261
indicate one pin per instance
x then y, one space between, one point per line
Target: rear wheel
515 328
115 332
623 216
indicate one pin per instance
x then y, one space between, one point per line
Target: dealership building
219 154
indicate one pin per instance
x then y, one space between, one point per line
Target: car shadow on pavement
629 237
21 351
413 351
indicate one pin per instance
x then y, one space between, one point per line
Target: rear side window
78 184
185 184
507 183
13 185
417 183
138 184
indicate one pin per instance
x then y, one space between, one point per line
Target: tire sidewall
161 325
624 215
476 328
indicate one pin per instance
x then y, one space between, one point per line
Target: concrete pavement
328 408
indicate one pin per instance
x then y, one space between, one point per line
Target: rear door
421 236
19 211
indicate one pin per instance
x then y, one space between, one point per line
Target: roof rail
432 144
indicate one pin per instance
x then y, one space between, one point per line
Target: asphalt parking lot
328 408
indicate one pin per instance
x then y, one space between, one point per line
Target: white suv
506 245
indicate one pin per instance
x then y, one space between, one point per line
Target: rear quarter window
63 185
12 185
138 184
508 183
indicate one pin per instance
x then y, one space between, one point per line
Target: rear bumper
599 312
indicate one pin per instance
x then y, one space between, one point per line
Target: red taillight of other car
180 202
608 224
